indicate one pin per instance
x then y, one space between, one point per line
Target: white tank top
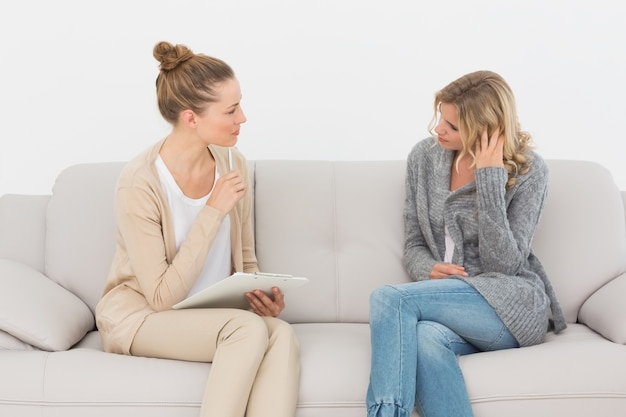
217 265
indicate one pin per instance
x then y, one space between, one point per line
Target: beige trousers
255 369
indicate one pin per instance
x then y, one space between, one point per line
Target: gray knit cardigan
492 229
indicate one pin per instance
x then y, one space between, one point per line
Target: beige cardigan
147 274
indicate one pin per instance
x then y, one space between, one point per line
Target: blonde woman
474 195
183 223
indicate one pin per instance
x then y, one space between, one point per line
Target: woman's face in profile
219 124
447 128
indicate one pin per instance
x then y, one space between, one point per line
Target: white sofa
339 224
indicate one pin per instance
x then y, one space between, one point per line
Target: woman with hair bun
183 219
475 191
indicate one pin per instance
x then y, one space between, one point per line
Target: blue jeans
417 331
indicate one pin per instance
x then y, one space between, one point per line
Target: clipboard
230 292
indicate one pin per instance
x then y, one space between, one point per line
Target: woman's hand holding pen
263 305
228 190
489 150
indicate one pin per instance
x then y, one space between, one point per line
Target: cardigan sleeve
507 223
140 228
418 258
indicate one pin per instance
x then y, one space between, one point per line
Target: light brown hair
186 81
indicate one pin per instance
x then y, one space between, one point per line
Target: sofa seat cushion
87 382
575 373
335 360
39 312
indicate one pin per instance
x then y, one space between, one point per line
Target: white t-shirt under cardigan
184 212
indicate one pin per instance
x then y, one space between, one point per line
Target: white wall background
324 79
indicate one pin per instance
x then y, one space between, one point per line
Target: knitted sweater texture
492 228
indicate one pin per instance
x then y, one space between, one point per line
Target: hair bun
170 56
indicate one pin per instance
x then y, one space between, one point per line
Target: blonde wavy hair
483 99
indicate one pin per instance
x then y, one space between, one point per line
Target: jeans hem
387 410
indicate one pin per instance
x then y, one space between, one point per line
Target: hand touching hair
484 101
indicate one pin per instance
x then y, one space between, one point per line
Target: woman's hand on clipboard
264 305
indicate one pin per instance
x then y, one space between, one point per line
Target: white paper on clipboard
230 292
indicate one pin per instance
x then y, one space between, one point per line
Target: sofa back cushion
80 229
23 228
339 224
581 239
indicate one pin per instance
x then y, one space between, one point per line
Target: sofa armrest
605 310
